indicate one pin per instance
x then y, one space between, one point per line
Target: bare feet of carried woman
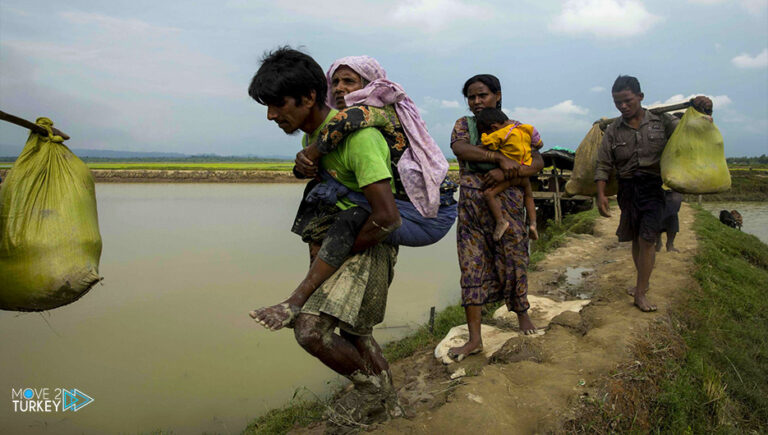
277 316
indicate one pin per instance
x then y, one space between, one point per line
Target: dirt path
533 384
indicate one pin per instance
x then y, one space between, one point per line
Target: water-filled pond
166 343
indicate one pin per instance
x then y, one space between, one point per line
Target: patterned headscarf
422 166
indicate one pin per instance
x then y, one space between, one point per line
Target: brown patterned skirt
492 271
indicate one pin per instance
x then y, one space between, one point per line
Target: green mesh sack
694 159
582 180
49 232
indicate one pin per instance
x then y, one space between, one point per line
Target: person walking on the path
632 145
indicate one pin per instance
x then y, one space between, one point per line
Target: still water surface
166 343
754 214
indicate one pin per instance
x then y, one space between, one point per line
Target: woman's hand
306 161
509 167
493 177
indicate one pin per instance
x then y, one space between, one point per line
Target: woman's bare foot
501 228
470 348
643 304
275 317
671 248
526 325
532 233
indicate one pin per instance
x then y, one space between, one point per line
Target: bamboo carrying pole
604 123
31 125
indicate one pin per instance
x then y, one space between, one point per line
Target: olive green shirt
630 150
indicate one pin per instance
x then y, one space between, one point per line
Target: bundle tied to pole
49 232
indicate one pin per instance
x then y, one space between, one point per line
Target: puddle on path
574 282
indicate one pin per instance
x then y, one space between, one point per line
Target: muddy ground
535 384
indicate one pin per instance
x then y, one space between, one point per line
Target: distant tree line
201 158
762 160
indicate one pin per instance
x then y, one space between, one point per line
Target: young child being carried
512 139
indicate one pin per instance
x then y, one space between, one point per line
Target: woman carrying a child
490 270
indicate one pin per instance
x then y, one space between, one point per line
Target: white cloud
411 16
564 116
449 104
604 18
752 6
718 101
597 89
443 104
744 60
434 15
117 25
133 56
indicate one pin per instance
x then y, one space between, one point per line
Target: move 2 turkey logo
48 399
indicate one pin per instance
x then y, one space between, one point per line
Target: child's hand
532 233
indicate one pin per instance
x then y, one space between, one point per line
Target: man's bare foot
532 233
631 290
275 317
526 325
470 348
501 228
643 304
672 249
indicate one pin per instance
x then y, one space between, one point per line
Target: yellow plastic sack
582 180
694 159
49 232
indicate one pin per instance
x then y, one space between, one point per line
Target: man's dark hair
286 72
626 82
488 80
489 116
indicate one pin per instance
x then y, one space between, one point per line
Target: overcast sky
172 76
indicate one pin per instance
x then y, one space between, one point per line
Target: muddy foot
501 228
643 304
470 348
372 400
276 317
672 249
526 325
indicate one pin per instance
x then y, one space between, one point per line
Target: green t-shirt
362 159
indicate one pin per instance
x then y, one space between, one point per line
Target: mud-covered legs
345 353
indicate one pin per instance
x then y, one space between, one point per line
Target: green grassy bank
705 369
306 408
746 185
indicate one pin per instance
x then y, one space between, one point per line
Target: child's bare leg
494 205
530 208
278 316
325 261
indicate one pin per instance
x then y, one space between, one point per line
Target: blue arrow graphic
74 399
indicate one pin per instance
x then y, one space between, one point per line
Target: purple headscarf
422 166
